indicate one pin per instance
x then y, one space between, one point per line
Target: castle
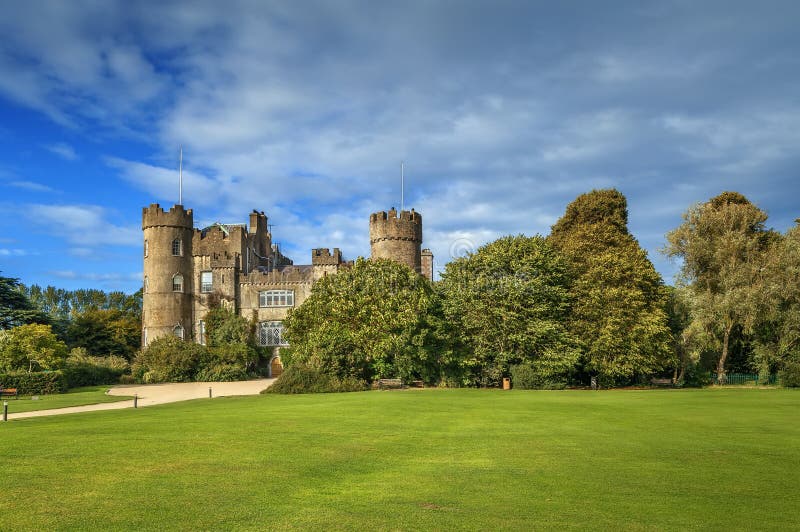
186 270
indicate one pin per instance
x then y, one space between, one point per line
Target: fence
744 378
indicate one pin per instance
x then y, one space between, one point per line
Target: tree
105 332
31 347
723 245
377 319
777 333
619 311
509 304
15 307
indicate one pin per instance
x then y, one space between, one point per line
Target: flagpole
402 188
180 178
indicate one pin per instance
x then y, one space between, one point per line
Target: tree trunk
721 377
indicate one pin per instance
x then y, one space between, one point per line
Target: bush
790 374
301 378
168 359
36 383
526 377
221 373
84 370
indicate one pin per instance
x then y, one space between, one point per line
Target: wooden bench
384 384
662 382
9 392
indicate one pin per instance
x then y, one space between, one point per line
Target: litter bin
506 383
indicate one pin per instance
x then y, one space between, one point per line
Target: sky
502 112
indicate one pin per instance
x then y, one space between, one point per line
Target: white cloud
83 225
31 185
65 151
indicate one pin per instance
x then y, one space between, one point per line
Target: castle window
201 332
177 331
144 337
177 283
146 248
146 284
270 334
276 298
206 282
177 247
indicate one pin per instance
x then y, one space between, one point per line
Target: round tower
168 273
397 238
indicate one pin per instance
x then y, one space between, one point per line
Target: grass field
427 459
88 395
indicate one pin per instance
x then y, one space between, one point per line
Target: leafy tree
377 319
169 359
619 312
15 307
31 347
105 332
777 335
230 340
723 244
509 302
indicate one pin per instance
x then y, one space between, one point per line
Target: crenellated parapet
396 236
176 216
324 257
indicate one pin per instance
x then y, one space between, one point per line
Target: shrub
35 383
84 370
221 373
168 359
790 374
526 377
301 378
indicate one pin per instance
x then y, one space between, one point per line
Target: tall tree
619 313
378 319
723 245
15 307
509 304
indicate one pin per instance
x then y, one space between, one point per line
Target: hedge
36 383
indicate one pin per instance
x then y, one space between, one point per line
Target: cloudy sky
502 111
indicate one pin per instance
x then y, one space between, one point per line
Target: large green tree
777 333
105 332
619 311
378 319
31 347
509 303
723 245
15 307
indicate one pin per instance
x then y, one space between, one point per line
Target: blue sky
502 111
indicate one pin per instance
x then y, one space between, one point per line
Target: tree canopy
378 319
31 347
723 244
509 304
618 314
15 307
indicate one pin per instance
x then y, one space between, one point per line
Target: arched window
146 284
177 331
177 283
177 247
146 248
144 337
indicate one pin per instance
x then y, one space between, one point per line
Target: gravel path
156 394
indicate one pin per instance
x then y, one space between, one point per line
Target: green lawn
88 395
428 459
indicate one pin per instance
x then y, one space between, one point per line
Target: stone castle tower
400 238
167 266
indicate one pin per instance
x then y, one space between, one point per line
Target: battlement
389 226
409 216
323 256
177 216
